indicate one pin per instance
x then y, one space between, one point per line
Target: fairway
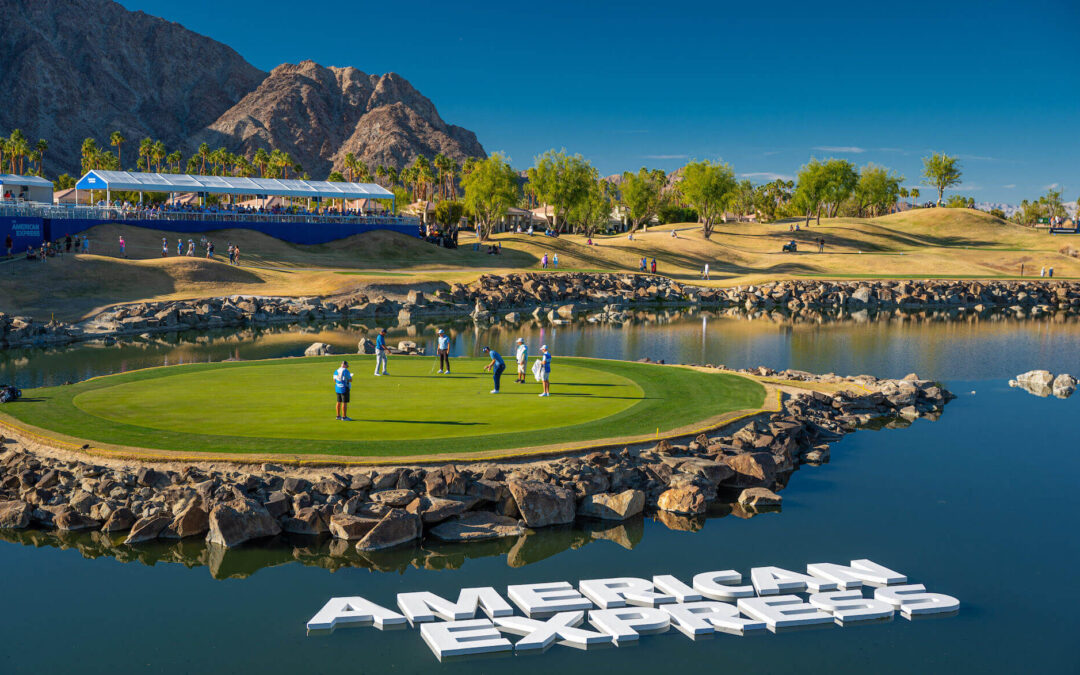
286 406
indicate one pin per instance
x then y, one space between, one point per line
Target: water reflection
335 554
938 344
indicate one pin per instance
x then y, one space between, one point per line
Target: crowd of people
541 369
150 210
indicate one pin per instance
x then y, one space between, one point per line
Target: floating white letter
695 619
860 572
540 600
561 627
626 623
620 591
424 606
914 600
719 585
783 611
458 638
773 580
851 606
357 610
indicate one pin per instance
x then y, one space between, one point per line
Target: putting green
286 406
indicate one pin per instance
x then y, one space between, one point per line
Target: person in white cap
443 350
545 371
522 360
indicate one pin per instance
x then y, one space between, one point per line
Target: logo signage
618 610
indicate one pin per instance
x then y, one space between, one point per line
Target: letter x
540 634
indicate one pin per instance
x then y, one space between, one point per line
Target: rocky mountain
72 69
319 114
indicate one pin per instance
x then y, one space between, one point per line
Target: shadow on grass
443 422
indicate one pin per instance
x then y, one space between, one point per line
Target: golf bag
9 393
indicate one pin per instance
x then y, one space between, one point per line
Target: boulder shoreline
389 506
552 296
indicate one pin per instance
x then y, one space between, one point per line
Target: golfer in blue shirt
497 366
342 385
380 352
545 371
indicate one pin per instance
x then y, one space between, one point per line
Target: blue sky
764 86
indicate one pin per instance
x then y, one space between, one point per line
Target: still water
980 505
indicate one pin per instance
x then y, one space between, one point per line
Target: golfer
342 385
442 348
545 371
497 366
380 352
522 360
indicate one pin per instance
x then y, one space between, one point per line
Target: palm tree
39 151
17 149
914 197
146 149
117 140
380 174
350 166
158 152
904 193
204 153
363 173
3 151
262 160
173 160
89 147
392 175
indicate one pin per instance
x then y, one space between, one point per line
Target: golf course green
286 406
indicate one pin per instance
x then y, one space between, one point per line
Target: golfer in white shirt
522 360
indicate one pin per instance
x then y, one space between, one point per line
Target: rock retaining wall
556 297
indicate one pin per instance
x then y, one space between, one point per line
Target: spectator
545 370
164 247
380 352
654 265
9 244
555 261
123 245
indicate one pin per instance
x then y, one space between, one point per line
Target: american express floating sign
618 610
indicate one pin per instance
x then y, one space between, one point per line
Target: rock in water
318 349
68 519
306 521
397 527
147 529
542 504
687 500
759 497
191 522
476 526
1064 385
351 528
233 523
607 506
1040 378
15 514
119 520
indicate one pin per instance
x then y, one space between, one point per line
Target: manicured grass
287 406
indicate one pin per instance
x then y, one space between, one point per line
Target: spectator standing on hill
1042 273
1051 274
236 255
654 265
380 352
644 265
497 366
164 247
191 248
821 245
522 360
86 243
123 245
342 385
705 272
9 244
555 261
544 262
179 247
442 349
67 242
545 370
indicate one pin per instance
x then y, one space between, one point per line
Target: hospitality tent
228 185
26 188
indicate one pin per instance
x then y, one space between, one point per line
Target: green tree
157 153
876 190
641 193
204 154
770 199
593 213
840 181
1052 204
89 148
449 212
63 182
173 160
262 161
561 181
336 177
959 202
490 189
810 189
914 197
941 172
708 187
18 149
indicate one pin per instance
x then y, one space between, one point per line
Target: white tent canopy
228 185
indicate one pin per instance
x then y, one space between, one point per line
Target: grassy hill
925 243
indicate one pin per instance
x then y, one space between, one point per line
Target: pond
977 505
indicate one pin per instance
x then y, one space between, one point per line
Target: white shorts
544 375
